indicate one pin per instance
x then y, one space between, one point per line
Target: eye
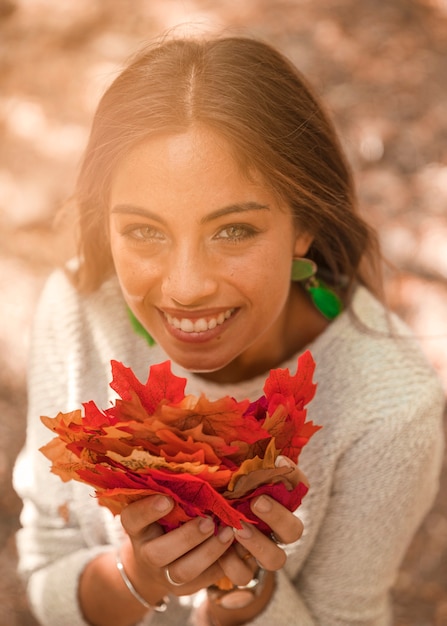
236 232
143 233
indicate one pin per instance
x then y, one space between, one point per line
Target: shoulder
65 318
60 295
370 364
64 309
75 337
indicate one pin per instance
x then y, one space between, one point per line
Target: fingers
195 555
139 515
296 476
190 552
173 545
286 527
238 564
160 549
265 551
200 563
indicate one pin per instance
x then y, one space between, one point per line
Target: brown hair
262 105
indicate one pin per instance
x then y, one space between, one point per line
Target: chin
201 369
200 365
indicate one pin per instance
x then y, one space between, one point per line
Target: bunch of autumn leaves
210 457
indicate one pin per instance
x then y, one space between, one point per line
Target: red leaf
156 440
289 499
161 384
300 386
191 493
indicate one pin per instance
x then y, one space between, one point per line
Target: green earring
303 269
324 299
139 328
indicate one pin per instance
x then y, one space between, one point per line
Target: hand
191 552
253 548
285 525
195 556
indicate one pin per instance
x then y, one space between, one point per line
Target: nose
190 279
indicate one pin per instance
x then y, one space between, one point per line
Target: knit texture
373 468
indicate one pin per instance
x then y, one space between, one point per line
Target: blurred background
381 66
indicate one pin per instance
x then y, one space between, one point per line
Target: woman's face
203 255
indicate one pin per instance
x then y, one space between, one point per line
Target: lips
199 325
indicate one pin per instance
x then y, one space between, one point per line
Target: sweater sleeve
52 548
383 486
374 473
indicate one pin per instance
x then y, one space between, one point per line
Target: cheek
268 283
132 273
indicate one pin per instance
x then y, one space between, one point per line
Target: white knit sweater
373 468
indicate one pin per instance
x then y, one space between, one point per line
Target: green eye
237 232
143 233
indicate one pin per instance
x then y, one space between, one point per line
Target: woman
214 200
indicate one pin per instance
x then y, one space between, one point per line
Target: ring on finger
248 557
275 540
169 578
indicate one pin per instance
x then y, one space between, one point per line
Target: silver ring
275 540
170 580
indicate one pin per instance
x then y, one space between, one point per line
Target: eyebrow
130 209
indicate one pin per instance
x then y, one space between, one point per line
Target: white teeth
186 325
199 326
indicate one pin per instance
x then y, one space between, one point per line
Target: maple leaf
290 499
300 386
290 430
210 457
161 385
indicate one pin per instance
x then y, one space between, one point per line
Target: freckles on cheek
130 277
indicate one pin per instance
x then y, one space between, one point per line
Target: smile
200 325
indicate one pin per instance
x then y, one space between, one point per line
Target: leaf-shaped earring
139 328
323 298
303 269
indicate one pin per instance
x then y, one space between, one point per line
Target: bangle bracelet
160 607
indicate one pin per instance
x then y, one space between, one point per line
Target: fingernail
245 532
263 505
284 461
162 503
225 534
206 525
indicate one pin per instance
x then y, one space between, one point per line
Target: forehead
199 145
196 162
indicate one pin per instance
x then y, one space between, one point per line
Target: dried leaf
211 457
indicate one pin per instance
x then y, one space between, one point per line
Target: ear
303 241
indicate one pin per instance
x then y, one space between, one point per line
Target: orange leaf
211 457
256 463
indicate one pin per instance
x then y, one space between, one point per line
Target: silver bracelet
160 607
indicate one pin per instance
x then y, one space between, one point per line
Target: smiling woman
194 267
217 212
275 128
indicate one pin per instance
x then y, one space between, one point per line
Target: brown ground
382 67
